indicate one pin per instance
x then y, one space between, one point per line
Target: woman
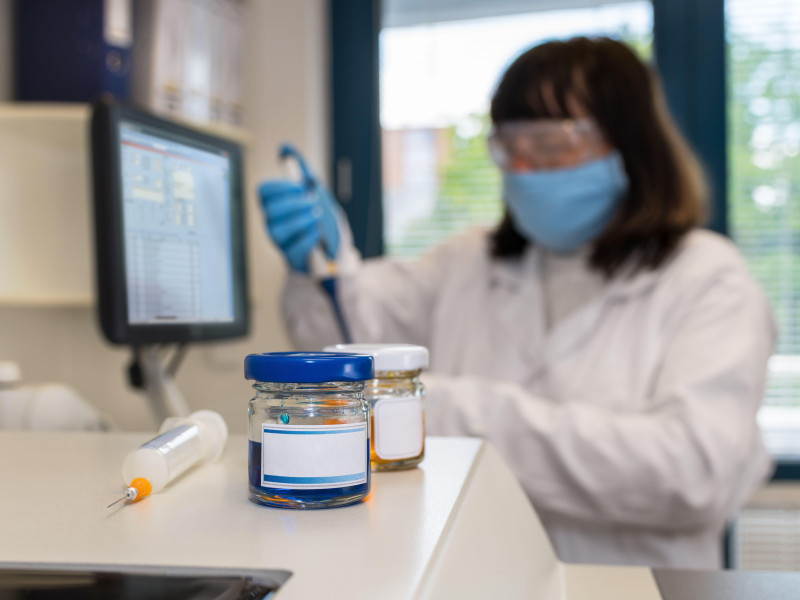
614 353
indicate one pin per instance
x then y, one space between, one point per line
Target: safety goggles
545 144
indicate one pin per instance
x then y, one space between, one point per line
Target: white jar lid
388 357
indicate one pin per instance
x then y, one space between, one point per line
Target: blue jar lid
308 367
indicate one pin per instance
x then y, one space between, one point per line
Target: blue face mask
563 209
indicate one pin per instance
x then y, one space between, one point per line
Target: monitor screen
169 231
176 202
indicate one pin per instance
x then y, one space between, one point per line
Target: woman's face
566 140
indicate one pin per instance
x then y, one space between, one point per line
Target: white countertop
459 525
56 487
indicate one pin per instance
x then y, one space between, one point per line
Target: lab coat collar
570 334
516 274
543 347
515 290
628 283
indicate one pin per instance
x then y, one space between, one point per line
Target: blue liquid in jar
292 498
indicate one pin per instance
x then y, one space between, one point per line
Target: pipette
321 267
182 443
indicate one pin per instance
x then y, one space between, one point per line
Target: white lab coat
631 425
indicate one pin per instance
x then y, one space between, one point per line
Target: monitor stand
148 372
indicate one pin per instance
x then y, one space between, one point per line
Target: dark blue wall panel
356 155
690 55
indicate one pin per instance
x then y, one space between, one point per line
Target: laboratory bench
458 526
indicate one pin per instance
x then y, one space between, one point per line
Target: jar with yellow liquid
396 398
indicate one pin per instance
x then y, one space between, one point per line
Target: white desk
458 526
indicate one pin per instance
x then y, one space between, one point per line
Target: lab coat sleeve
383 299
676 465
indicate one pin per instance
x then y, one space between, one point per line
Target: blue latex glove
300 217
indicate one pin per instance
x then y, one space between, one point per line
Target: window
763 39
439 63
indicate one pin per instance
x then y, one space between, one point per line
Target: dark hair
667 194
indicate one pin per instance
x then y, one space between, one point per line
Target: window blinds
763 39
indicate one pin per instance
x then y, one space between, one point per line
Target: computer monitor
169 230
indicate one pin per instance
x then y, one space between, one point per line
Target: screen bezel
111 282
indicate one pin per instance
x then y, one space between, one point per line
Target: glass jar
309 429
396 399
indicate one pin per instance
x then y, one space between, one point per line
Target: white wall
286 99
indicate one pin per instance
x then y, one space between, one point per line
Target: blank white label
398 427
313 456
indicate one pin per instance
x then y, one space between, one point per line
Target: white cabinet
45 193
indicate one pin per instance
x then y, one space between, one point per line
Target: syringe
182 443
